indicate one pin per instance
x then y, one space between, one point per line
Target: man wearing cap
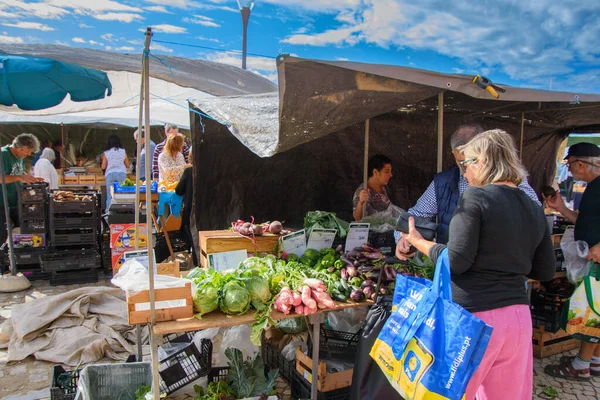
583 161
143 153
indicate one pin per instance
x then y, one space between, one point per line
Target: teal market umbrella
33 83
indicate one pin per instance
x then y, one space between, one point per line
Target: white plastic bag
133 277
384 221
349 320
575 253
237 337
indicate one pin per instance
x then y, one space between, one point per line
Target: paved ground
30 379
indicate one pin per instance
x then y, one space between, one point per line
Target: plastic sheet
575 253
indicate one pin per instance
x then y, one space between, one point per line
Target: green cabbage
206 299
259 292
236 298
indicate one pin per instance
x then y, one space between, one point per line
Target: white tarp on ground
168 103
84 325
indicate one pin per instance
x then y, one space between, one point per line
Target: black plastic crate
28 256
73 277
70 260
217 374
33 272
336 345
273 359
384 241
33 226
74 220
73 237
180 337
63 390
57 207
32 211
33 192
560 260
184 366
301 389
546 310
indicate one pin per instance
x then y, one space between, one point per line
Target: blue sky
533 43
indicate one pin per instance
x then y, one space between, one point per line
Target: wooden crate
220 241
325 382
71 180
87 179
546 344
162 314
170 268
61 179
100 179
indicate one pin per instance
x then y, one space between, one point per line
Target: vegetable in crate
206 299
247 378
128 182
324 220
259 292
236 298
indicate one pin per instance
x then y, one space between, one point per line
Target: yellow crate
87 179
100 179
71 180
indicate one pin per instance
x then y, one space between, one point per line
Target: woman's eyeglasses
463 164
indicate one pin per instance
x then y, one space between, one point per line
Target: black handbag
426 228
368 382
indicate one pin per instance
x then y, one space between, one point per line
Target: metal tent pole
13 264
150 241
440 144
522 135
366 165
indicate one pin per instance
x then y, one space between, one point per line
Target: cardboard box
122 236
24 240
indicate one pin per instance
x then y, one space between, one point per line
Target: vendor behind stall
375 196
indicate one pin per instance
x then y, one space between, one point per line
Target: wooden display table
226 240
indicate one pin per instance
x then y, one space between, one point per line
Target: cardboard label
124 236
358 234
321 239
226 260
140 256
294 243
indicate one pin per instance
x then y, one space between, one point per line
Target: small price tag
358 234
294 243
226 259
321 239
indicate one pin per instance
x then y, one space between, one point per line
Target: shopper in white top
44 169
114 164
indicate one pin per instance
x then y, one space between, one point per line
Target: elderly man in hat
583 160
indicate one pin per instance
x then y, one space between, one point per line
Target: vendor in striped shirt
441 197
170 129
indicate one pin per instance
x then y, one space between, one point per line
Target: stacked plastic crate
74 239
31 242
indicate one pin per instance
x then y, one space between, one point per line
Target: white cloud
108 48
202 20
207 39
30 25
173 3
85 26
160 9
44 10
10 39
93 42
93 6
78 40
263 64
135 41
107 37
525 40
159 47
214 7
55 9
125 48
122 17
342 59
166 28
61 43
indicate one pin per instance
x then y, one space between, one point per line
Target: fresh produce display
244 379
325 220
128 182
251 229
299 285
67 195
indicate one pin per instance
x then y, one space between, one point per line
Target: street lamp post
245 8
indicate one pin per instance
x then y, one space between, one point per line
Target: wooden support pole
440 146
522 136
366 165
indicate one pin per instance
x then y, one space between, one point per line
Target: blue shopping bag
430 347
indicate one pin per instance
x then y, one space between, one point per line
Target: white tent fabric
168 103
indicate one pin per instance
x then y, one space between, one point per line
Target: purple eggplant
357 295
373 256
344 274
363 269
392 272
383 291
346 261
366 283
351 272
368 291
370 249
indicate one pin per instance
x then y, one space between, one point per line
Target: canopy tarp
313 132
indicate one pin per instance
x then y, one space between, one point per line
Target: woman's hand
403 249
414 237
363 197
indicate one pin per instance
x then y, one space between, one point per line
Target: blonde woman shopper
498 237
44 168
171 162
